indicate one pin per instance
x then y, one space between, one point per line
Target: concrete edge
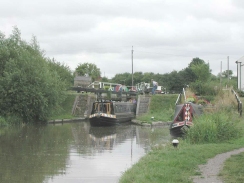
58 121
154 123
134 121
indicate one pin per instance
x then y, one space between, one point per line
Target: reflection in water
30 154
74 152
102 138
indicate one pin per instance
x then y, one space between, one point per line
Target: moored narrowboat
108 113
183 118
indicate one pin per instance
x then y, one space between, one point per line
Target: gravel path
210 171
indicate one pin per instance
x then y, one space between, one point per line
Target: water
74 152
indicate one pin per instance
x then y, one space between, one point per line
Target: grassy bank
169 164
67 105
161 108
217 132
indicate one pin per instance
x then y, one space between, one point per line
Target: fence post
239 106
240 109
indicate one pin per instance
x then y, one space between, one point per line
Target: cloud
165 35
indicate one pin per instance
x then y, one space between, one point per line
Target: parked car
159 90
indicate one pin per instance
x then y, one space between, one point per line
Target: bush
240 93
190 99
202 102
213 127
206 88
10 121
3 122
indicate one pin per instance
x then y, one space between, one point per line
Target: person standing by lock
155 85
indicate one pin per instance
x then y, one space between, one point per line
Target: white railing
184 92
102 85
179 97
116 86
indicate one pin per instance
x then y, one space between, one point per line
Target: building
240 73
82 81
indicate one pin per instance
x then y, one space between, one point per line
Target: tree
29 89
196 61
147 76
227 72
200 69
124 78
105 79
175 83
202 74
4 53
188 75
63 71
137 77
88 69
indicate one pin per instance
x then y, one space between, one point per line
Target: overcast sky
165 34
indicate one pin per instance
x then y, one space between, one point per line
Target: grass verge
233 169
66 110
169 164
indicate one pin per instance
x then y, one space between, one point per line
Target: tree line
196 75
33 86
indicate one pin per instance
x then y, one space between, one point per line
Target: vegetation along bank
215 132
32 95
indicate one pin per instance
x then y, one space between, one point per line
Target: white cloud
166 35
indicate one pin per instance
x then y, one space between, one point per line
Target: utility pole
132 67
208 67
220 74
228 74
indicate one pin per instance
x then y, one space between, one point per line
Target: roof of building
83 78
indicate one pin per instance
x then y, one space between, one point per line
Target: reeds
225 100
215 127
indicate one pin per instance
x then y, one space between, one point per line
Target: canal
74 152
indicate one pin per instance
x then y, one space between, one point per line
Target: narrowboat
108 113
183 117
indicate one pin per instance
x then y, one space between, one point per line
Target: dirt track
210 171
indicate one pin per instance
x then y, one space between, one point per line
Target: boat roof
197 109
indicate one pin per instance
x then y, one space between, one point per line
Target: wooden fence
238 101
